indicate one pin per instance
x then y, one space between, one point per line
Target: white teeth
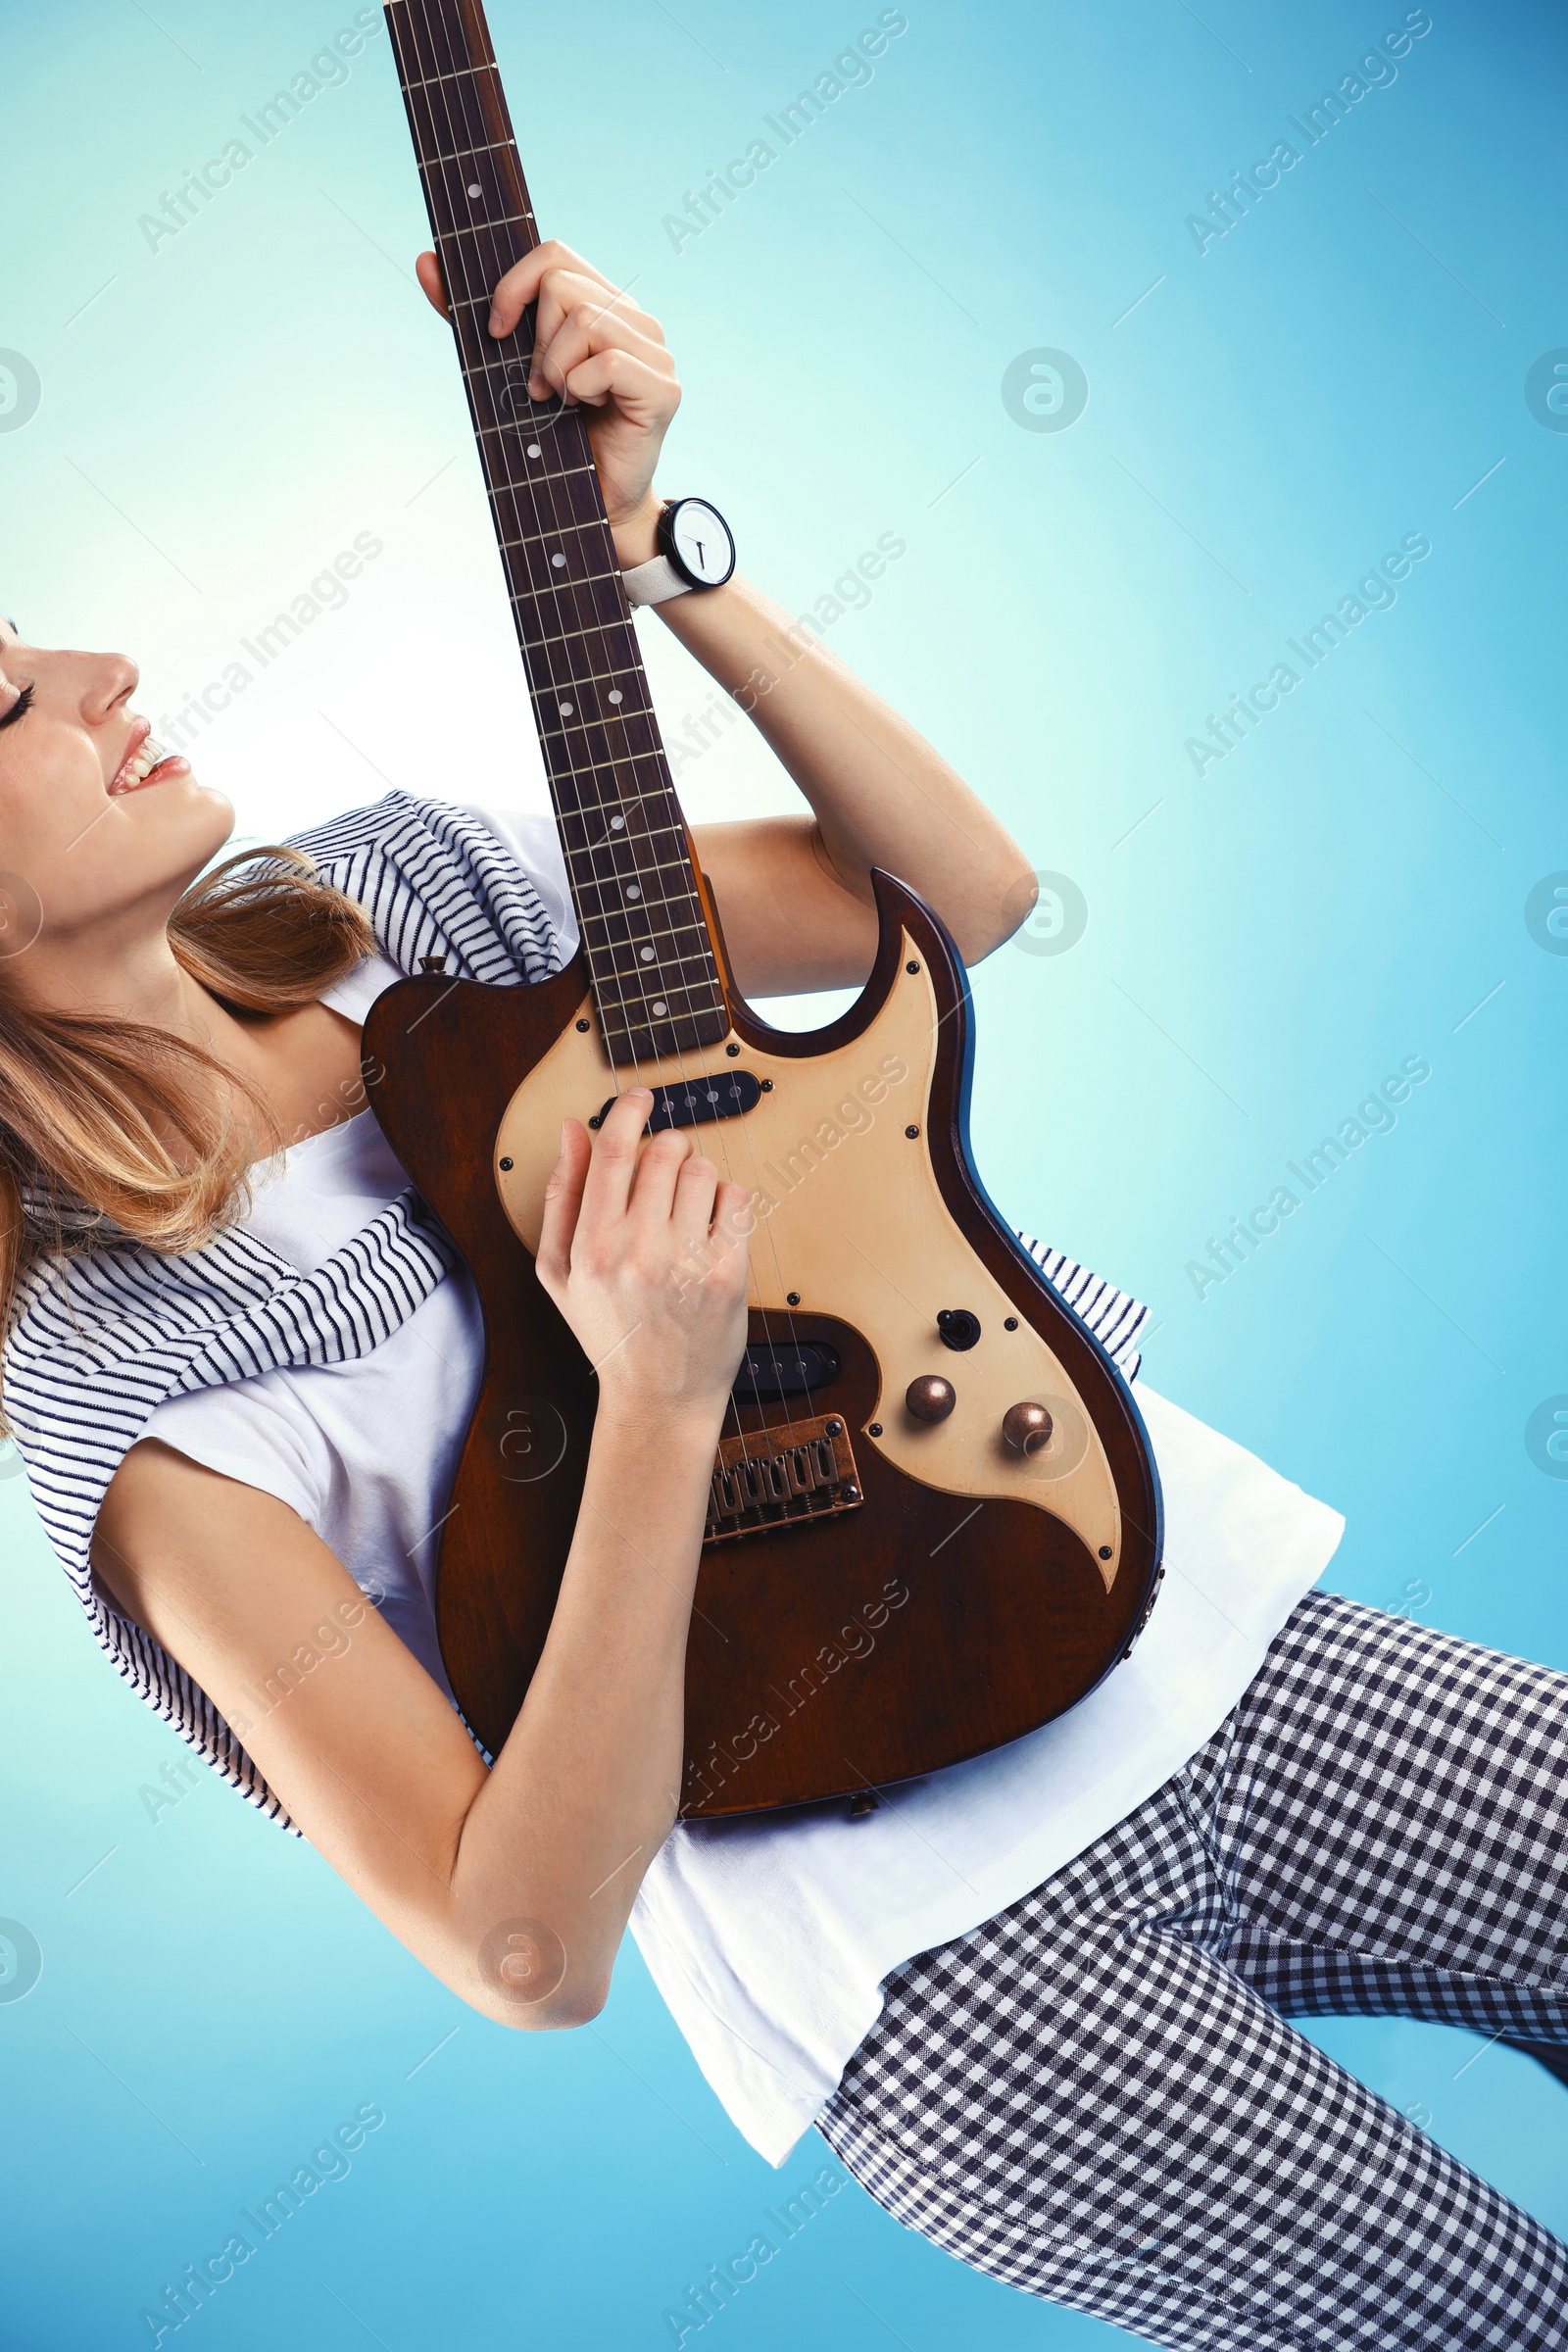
137 770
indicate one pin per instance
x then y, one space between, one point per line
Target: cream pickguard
842 1196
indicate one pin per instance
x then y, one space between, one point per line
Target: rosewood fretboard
650 952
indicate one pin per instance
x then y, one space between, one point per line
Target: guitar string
462 83
757 1189
665 898
484 233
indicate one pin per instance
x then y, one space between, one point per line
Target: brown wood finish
918 1626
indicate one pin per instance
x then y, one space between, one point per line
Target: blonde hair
112 1130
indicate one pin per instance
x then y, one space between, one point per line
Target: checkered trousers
1096 2096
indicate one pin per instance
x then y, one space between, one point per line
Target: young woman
1036 2003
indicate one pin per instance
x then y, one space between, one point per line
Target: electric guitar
934 1521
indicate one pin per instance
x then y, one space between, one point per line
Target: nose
107 680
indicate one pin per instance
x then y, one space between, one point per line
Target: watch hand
701 557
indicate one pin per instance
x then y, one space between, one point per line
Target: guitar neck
650 955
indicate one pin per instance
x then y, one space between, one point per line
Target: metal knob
930 1397
1026 1427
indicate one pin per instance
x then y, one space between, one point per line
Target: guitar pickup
773 1477
693 1102
776 1369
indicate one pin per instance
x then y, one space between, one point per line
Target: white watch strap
654 583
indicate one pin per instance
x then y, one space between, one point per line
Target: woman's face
89 841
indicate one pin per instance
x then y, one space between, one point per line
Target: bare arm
513 1886
794 893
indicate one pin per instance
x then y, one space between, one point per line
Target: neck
124 972
650 953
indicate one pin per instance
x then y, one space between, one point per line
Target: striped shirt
105 1337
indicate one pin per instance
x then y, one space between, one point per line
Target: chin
187 802
188 821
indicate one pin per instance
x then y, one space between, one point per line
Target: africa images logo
21 390
1044 391
1546 390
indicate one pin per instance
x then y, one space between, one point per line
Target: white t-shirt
767 1937
315 1438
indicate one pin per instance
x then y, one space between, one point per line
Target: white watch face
702 541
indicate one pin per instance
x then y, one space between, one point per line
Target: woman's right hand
645 1254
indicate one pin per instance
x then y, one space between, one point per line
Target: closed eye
19 709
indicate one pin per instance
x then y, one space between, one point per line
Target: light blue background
1345 890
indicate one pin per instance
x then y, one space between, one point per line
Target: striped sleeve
1116 1318
436 882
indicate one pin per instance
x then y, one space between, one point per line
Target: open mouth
147 763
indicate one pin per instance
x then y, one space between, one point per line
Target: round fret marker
632 891
660 1007
475 188
534 451
560 562
615 695
565 709
618 824
648 955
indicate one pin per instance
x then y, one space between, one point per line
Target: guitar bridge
772 1476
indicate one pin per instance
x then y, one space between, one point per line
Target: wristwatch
695 550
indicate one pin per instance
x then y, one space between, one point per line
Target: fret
563 577
666 800
523 517
665 1036
466 155
630 786
610 759
562 552
561 623
586 530
621 679
637 993
645 933
630 924
431 79
627 732
678 1029
541 427
616 840
589 628
624 677
471 228
627 961
664 981
673 836
616 729
639 875
666 829
670 835
656 1034
621 837
664 991
562 531
642 1020
643 986
534 480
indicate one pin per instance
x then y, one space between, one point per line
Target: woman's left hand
592 345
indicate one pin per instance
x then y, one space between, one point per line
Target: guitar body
945 1591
